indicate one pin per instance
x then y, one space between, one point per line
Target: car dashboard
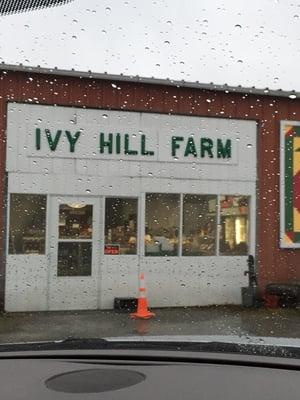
146 374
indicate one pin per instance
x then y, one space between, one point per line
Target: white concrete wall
26 285
171 281
176 281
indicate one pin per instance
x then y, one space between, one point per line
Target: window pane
27 224
75 221
234 225
199 225
74 258
162 224
120 225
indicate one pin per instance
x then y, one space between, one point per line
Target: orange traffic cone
142 308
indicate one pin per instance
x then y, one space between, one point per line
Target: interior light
238 238
76 205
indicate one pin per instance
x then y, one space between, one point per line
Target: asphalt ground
218 320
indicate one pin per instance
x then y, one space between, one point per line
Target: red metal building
101 91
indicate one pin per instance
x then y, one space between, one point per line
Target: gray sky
238 42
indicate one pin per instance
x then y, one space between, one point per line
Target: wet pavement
41 326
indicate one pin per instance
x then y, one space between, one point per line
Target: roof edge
150 80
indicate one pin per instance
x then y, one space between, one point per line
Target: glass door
73 255
75 239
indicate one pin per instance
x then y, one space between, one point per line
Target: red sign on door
112 249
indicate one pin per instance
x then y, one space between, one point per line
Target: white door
74 253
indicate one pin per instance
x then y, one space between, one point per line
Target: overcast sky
238 42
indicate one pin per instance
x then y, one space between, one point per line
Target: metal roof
292 94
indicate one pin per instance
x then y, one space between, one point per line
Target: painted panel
290 184
177 146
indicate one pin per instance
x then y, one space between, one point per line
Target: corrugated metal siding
274 264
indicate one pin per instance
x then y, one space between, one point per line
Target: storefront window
234 214
75 239
199 225
120 226
75 221
162 224
27 228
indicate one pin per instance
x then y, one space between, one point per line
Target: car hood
232 339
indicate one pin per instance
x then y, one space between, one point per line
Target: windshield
149 170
